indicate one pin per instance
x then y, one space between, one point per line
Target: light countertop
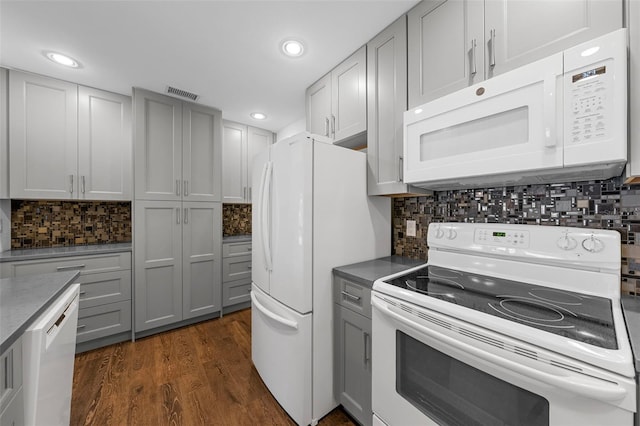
631 311
24 299
237 239
47 253
365 273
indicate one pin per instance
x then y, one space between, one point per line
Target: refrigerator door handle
264 217
275 317
259 207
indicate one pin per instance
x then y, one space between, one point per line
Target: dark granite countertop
365 273
237 239
23 299
631 311
46 253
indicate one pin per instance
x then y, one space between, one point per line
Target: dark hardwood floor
196 375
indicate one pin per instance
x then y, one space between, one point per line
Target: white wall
294 128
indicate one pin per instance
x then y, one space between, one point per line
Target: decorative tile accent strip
45 223
236 219
607 204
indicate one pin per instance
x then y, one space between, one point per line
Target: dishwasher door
49 352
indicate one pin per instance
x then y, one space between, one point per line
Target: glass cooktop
587 319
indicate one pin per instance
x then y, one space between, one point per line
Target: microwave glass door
509 123
451 392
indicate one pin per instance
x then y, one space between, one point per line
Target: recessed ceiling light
61 59
292 48
258 115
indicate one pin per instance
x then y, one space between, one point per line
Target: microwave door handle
549 105
590 387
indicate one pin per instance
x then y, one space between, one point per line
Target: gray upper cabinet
68 141
240 144
4 133
386 104
178 149
456 43
337 103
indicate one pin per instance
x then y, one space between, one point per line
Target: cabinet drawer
236 268
236 249
100 289
13 413
104 320
235 292
84 264
352 296
10 374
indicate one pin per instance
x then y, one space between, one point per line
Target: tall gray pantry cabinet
177 213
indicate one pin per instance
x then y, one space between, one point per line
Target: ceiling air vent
182 93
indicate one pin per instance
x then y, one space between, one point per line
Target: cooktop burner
580 317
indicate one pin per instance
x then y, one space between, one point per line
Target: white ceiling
225 51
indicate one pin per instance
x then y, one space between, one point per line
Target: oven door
429 368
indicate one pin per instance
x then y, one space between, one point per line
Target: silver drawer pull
62 268
81 326
249 267
83 292
350 296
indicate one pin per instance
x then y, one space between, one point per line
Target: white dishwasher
48 353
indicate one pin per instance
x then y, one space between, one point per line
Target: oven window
453 393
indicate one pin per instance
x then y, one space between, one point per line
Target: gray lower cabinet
352 343
104 316
236 275
11 394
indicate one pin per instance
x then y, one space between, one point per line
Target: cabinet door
202 257
258 141
158 146
387 101
201 153
514 35
349 96
4 133
104 145
44 137
353 379
234 163
445 45
318 102
158 264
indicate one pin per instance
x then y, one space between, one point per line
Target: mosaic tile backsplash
236 219
607 204
40 223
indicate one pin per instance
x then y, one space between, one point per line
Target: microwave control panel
589 95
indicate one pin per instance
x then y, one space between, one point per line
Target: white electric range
507 324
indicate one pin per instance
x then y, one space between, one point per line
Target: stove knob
567 243
452 234
439 233
592 244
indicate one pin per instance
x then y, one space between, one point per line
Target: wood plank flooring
196 375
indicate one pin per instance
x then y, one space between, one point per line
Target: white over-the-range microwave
563 118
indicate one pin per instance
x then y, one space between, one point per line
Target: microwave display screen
590 73
499 234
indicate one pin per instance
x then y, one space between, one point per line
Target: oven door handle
590 387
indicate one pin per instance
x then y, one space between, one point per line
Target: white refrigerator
310 214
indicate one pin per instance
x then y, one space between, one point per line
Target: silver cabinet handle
244 192
71 179
83 184
366 351
349 295
474 66
249 198
186 188
178 215
492 62
400 164
249 267
186 216
81 326
82 293
333 126
178 187
64 268
326 126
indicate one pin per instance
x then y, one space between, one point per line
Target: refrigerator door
281 352
292 216
260 240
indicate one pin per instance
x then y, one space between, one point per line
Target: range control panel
502 237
